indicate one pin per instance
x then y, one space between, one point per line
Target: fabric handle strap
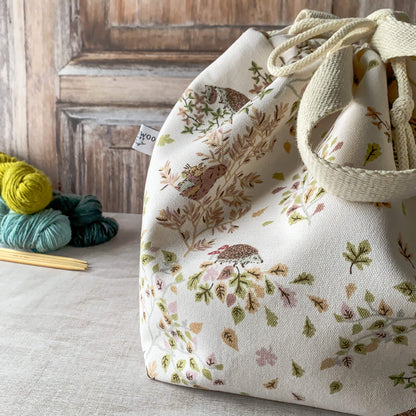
330 91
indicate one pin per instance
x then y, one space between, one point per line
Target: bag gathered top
279 226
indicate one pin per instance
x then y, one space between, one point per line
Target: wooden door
78 77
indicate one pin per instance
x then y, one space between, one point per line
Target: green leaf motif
207 374
271 317
339 318
179 278
304 279
155 268
193 281
297 370
180 365
175 378
358 256
399 329
369 297
164 139
238 314
335 387
308 328
219 366
364 313
267 223
204 294
269 286
169 256
147 245
401 339
407 288
344 343
373 152
294 218
193 364
360 349
146 259
356 328
165 361
279 176
373 63
377 324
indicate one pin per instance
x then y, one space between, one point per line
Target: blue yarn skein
44 231
97 232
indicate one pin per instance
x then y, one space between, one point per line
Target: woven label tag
145 140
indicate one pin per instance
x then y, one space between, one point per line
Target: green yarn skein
44 231
89 227
25 189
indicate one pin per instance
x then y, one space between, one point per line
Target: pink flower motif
347 312
173 307
190 375
160 284
288 297
211 360
265 357
210 274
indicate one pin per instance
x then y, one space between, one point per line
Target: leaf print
165 361
288 297
151 370
279 270
407 288
369 297
175 378
230 338
258 290
398 329
328 363
401 339
207 374
335 387
252 304
269 286
180 365
308 328
403 249
347 361
169 257
347 312
267 223
193 364
195 327
319 303
272 384
259 212
377 324
164 139
364 313
193 281
360 349
384 309
408 380
221 291
298 397
265 357
295 217
297 370
373 152
378 122
226 273
238 314
270 317
231 298
256 273
344 343
146 259
205 293
350 289
357 256
356 328
304 279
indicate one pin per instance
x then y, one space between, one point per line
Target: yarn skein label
145 140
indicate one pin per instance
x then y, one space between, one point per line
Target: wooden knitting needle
43 260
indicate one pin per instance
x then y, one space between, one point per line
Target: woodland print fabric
254 280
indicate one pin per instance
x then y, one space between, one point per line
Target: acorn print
239 254
232 99
199 179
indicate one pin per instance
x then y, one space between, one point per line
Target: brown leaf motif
319 303
272 384
230 338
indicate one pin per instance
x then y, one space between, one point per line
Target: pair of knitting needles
43 260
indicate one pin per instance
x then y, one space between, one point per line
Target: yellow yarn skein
25 189
6 158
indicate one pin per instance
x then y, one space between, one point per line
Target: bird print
199 179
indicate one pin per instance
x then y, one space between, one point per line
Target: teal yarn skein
81 210
44 231
97 232
89 227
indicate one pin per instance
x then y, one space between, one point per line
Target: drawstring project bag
278 253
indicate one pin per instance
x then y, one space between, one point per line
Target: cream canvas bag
279 225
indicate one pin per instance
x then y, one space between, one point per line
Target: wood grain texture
95 155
